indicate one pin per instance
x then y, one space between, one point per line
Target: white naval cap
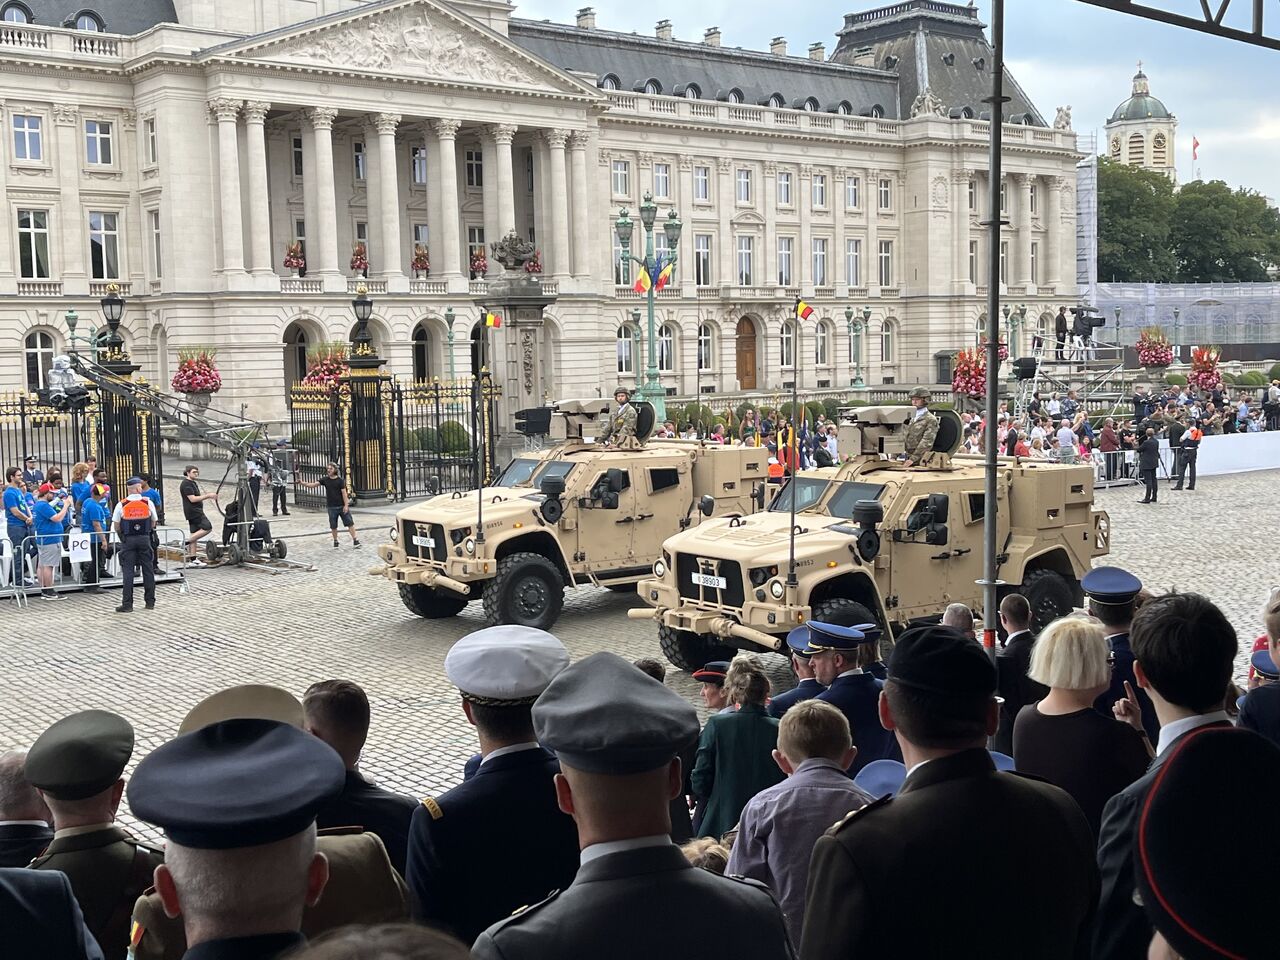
505 665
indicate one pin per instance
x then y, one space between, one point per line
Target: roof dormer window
691 92
810 105
15 13
734 96
777 102
844 108
609 82
652 87
88 21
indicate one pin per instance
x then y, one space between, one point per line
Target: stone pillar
805 254
559 212
835 258
489 199
310 201
871 255
724 204
447 176
389 205
70 216
435 223
769 255
960 212
373 196
227 112
326 230
502 135
255 114
1022 265
1052 263
688 273
581 219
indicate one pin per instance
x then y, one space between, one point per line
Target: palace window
15 13
89 22
744 185
418 164
621 178
785 246
706 343
973 195
886 341
1004 261
33 244
358 159
822 345
702 184
297 157
886 193
666 348
621 265
28 141
1035 262
473 163
820 261
1033 194
38 350
149 140
628 348
97 137
820 191
788 343
746 250
852 187
157 248
886 263
973 261
853 262
104 246
702 259
784 188
662 180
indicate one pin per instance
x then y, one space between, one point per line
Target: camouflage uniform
921 432
622 424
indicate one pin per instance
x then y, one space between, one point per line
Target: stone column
1053 231
310 200
489 199
389 197
769 255
70 216
227 112
871 255
835 258
326 230
372 196
255 114
447 175
435 228
559 212
805 202
688 273
502 135
1022 265
725 199
581 219
960 211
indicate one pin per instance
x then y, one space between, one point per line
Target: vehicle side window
977 506
663 478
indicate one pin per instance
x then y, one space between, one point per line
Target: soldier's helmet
620 389
922 393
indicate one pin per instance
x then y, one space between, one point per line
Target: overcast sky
1061 52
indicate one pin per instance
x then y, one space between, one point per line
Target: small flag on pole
664 275
803 310
491 319
643 282
1195 148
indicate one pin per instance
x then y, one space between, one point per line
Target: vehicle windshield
517 473
553 468
825 496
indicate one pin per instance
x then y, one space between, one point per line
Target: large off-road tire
528 591
430 603
1050 595
849 613
691 651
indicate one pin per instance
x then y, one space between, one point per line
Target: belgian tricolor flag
491 319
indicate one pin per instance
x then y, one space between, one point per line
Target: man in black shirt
1060 333
193 509
335 500
1148 463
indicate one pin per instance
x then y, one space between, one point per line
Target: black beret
80 755
237 783
602 715
1189 817
942 661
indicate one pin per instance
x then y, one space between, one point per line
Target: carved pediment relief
749 218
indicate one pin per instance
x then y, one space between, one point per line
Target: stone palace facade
177 147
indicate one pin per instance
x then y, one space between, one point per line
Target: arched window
706 343
877 112
295 356
1137 149
15 13
966 113
88 22
810 105
979 329
887 332
667 348
844 108
652 87
735 96
609 82
628 349
421 353
822 345
788 342
777 102
1159 150
39 350
692 92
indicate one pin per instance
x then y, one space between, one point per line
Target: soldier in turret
921 431
622 424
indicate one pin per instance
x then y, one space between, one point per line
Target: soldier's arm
1115 916
704 768
837 906
486 949
426 871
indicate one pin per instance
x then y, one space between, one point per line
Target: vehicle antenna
792 583
477 425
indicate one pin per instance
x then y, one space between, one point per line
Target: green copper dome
1142 105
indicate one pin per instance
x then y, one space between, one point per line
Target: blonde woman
1062 738
1037 449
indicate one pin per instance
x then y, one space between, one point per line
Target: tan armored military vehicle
576 513
874 542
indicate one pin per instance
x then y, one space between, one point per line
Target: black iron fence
394 440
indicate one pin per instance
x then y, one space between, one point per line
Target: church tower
1141 130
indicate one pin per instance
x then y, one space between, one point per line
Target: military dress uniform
1112 586
375 809
497 841
805 689
79 757
634 898
856 693
921 432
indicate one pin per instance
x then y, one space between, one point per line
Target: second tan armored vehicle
874 542
576 513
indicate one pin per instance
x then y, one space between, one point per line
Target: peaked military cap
881 777
713 672
1110 586
943 662
798 642
250 701
1264 666
506 665
80 755
832 636
236 783
602 715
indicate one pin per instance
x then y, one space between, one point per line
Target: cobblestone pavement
239 625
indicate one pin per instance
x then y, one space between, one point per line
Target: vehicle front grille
411 528
688 564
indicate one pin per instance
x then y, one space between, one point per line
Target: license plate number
710 580
427 542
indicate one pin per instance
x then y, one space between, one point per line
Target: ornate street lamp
448 327
1177 349
857 326
1119 340
73 319
361 338
624 226
113 311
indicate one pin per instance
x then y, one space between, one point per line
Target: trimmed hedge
1175 379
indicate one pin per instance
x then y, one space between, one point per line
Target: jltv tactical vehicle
575 513
874 542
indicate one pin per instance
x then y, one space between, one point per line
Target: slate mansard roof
127 17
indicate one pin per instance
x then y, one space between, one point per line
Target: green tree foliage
1222 235
1135 207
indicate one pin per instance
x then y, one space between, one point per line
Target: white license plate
427 542
710 580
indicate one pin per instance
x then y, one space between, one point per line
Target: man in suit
1148 464
24 817
497 841
1260 711
337 711
76 765
41 918
958 827
807 686
1112 593
618 734
1012 664
31 473
1060 328
841 658
1184 650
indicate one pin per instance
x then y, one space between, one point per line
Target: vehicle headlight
395 534
776 589
659 569
470 545
458 535
760 574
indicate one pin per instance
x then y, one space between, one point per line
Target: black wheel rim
1047 612
530 598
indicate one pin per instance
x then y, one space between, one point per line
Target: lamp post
112 311
651 390
857 325
73 319
126 437
1119 339
1177 350
448 328
368 461
1014 320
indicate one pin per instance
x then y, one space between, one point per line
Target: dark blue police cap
1110 586
942 661
236 783
798 642
831 636
713 672
1264 666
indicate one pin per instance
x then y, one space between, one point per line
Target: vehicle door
918 570
606 518
662 502
965 533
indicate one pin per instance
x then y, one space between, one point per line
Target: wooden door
746 343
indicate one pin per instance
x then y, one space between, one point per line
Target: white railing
155 286
828 292
370 286
11 36
60 40
478 287
662 106
551 288
746 115
708 293
428 286
301 285
39 288
706 110
860 292
887 292
93 43
99 288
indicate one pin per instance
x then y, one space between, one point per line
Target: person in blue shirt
81 481
95 519
152 494
48 518
17 515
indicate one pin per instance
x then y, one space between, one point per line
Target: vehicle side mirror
707 505
936 534
757 494
938 504
433 485
617 479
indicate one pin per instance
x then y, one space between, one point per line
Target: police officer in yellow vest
134 521
622 424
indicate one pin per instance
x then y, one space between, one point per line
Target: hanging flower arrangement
534 265
197 372
969 376
1153 348
359 257
327 367
1002 351
421 262
479 264
1204 368
294 258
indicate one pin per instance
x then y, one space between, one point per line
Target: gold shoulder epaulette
433 807
854 814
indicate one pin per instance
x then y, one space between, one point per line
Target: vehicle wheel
528 591
690 651
849 613
1050 596
430 603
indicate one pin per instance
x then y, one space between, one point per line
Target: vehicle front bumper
457 574
763 623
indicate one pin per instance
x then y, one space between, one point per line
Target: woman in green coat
735 754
